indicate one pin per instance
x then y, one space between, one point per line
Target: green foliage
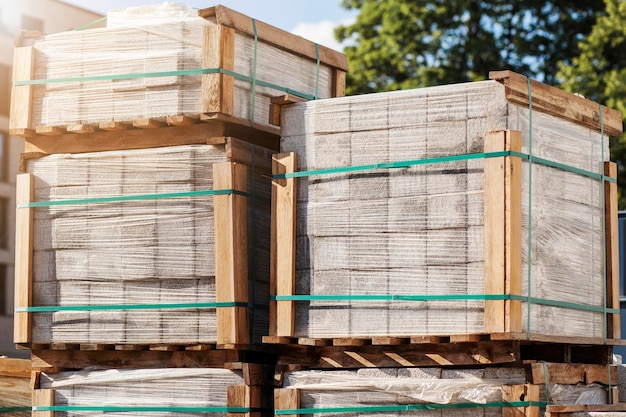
399 44
599 73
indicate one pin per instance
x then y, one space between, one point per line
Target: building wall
47 16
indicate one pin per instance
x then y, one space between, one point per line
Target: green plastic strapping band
253 92
86 25
530 201
441 297
4 410
128 307
198 71
407 407
317 70
144 409
136 197
444 159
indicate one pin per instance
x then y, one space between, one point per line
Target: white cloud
322 32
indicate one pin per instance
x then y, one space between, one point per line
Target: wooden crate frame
252 394
503 253
217 90
230 226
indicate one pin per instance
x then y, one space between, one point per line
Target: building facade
47 16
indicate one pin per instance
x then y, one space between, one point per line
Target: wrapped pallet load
151 246
165 63
467 209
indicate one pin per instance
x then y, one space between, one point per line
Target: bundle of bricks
408 253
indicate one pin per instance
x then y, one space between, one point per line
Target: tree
399 44
599 73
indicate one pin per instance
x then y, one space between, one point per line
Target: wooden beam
43 397
612 250
277 104
249 154
274 36
19 368
244 396
503 231
559 103
23 257
231 257
287 399
218 52
283 245
22 95
339 83
514 393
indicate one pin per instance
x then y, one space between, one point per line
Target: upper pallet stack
166 64
469 209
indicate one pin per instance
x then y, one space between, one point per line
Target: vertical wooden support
287 399
231 257
23 258
22 95
244 396
218 53
43 397
339 83
283 245
612 250
503 232
516 393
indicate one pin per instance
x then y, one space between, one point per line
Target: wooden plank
140 139
339 83
23 257
43 397
231 257
113 359
22 95
503 223
249 154
612 250
277 103
558 373
581 408
274 36
218 52
113 126
19 368
559 103
601 374
557 339
148 124
254 374
81 128
283 245
287 399
444 354
51 131
181 120
384 340
459 338
238 396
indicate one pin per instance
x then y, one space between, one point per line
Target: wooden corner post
612 250
520 393
231 252
283 245
43 398
287 399
23 257
503 231
218 54
22 95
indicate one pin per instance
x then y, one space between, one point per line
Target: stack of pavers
142 278
461 228
442 251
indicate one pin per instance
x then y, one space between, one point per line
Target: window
32 23
4 223
4 156
5 90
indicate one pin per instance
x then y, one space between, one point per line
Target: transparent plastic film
392 203
148 63
125 392
136 228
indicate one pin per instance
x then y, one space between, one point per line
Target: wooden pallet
454 350
502 249
217 89
615 410
230 213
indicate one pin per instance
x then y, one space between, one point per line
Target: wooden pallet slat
23 258
22 95
611 250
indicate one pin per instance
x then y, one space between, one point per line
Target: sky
311 19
